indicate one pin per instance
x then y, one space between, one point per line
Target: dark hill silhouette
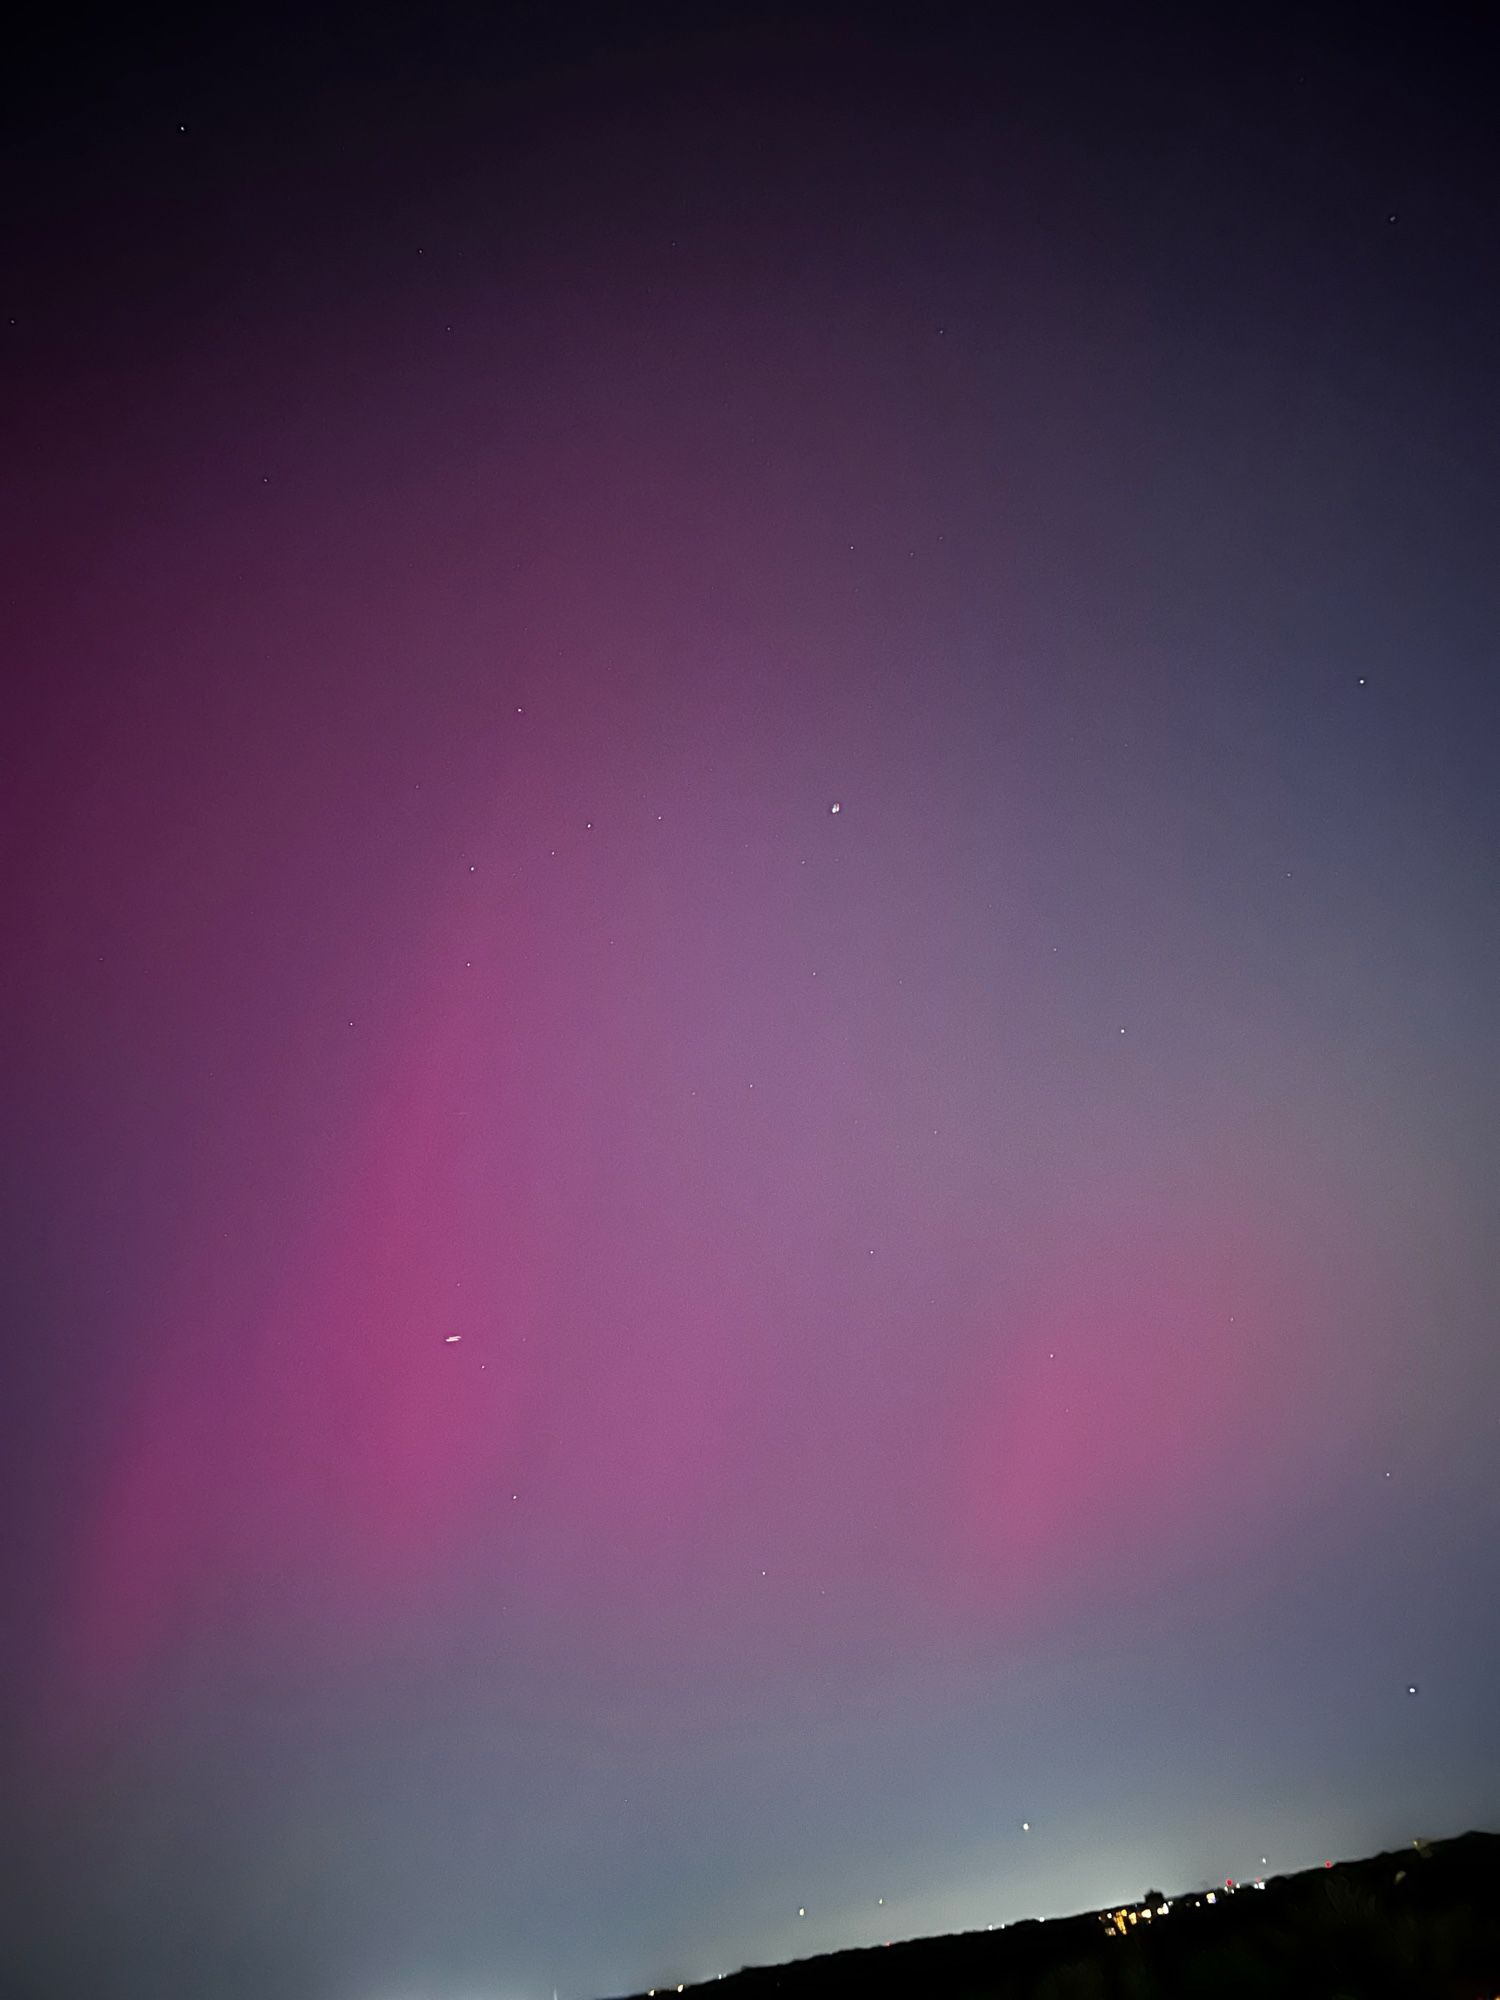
1422 1923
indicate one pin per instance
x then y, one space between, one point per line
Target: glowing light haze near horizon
753 968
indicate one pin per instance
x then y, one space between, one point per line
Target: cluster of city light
1118 1922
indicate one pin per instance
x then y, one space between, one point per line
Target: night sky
750 1097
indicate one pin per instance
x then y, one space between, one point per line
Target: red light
1327 1864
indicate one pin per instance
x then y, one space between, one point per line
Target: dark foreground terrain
1421 1924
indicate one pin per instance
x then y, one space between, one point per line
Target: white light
835 807
451 1338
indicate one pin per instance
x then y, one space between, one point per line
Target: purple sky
749 1061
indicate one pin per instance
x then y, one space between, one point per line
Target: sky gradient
750 884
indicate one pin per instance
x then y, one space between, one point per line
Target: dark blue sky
749 1077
